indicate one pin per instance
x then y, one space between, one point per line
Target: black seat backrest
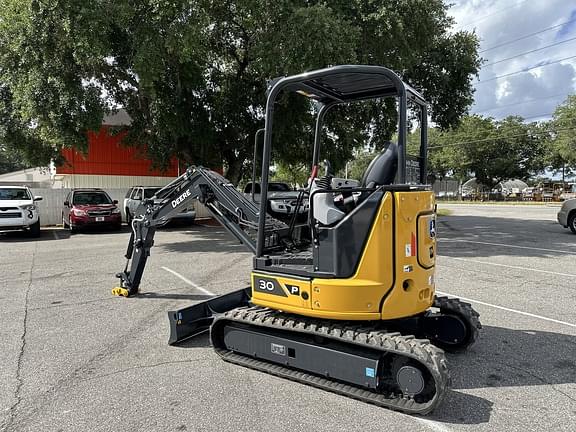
382 169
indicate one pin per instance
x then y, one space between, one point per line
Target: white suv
18 210
567 215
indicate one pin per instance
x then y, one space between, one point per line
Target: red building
110 164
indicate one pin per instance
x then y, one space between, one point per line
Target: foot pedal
120 292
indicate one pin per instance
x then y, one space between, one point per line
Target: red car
90 207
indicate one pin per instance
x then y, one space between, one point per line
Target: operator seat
382 169
380 172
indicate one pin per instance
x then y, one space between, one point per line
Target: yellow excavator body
394 278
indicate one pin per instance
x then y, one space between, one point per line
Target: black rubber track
420 350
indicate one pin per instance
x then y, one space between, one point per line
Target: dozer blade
194 320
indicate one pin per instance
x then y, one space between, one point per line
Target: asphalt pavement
73 357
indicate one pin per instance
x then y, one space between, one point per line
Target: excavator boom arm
233 210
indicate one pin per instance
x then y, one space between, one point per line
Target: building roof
31 177
472 184
512 184
119 118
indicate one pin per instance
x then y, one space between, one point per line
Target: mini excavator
350 307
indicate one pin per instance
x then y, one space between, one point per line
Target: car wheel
35 229
572 222
72 228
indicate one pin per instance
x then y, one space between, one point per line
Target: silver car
137 194
567 215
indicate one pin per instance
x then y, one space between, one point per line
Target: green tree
562 139
47 97
358 165
192 75
444 160
10 160
490 150
515 152
295 174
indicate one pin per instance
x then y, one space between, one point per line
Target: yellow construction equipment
345 302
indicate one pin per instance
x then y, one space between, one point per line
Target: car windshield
149 193
91 198
12 194
278 187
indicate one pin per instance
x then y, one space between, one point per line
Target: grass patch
443 212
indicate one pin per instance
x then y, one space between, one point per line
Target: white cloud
535 92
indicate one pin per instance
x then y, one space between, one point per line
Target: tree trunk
234 171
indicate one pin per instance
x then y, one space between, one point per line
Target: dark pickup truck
281 199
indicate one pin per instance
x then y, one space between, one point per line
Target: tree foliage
562 139
493 151
358 166
192 74
490 150
47 100
295 174
10 160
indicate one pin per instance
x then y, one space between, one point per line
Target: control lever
328 168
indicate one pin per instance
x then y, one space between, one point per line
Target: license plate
99 218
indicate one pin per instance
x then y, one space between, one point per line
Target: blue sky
507 33
567 28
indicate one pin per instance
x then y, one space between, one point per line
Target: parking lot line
506 245
188 281
434 425
571 275
55 235
509 310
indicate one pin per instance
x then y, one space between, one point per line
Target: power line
525 70
530 52
456 144
521 103
539 115
526 36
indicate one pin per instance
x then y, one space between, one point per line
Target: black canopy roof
348 83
